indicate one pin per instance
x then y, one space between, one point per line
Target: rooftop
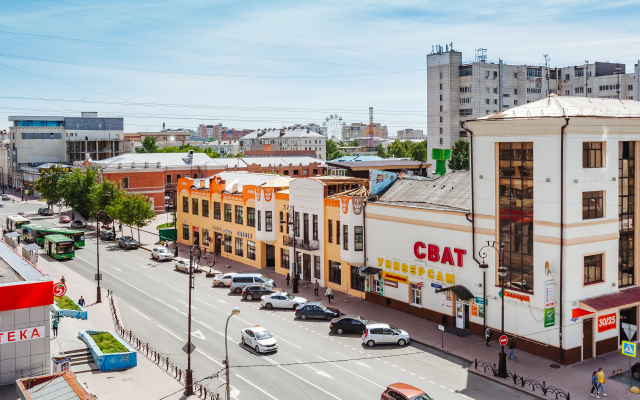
388 163
240 178
288 134
15 268
58 386
242 162
165 160
357 158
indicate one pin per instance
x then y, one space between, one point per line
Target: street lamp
99 214
235 311
175 229
292 223
194 255
502 272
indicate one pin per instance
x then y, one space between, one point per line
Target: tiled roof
613 300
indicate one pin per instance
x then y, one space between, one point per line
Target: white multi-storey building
286 139
410 134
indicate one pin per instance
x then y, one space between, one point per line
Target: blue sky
274 63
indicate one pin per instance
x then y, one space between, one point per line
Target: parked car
22 213
182 264
349 324
402 391
77 224
6 197
635 371
281 300
258 339
107 235
223 280
64 218
384 334
161 253
128 242
239 281
45 211
316 310
252 292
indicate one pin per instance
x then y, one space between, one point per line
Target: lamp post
99 214
502 272
194 255
235 311
292 223
175 229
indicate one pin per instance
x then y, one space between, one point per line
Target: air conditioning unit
159 164
119 165
146 164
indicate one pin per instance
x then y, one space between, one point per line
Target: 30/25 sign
607 322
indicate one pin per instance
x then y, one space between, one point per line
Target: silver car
182 264
384 334
161 253
223 280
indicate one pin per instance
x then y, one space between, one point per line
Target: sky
269 64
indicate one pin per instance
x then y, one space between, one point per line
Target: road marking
152 277
302 379
342 355
205 303
442 386
336 365
197 334
256 387
286 341
200 351
140 313
176 289
321 373
186 304
171 333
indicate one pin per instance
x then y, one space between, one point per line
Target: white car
182 264
281 300
384 334
161 253
258 339
223 280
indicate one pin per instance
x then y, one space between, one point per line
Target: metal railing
522 381
163 362
300 243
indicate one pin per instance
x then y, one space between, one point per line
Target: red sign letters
433 254
20 335
607 322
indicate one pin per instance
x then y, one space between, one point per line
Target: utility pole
546 68
194 255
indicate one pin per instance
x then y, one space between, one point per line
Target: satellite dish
361 271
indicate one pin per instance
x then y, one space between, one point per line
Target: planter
71 313
110 361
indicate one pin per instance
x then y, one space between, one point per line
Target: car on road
223 280
6 197
128 242
64 218
384 334
258 339
402 391
77 224
316 310
45 211
182 264
252 292
107 235
281 300
635 371
353 324
161 253
239 281
22 213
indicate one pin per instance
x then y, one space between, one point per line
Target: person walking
62 280
81 302
487 335
329 294
512 348
601 381
288 278
316 287
594 384
55 327
37 254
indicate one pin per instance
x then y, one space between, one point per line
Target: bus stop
29 252
11 238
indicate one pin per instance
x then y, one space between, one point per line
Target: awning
580 312
372 270
461 292
613 300
31 247
12 234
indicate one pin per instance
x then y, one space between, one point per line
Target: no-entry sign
503 340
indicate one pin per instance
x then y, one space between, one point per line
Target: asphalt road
311 363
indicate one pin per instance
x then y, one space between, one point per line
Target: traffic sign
629 348
440 327
503 340
189 349
59 289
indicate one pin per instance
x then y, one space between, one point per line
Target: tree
133 210
459 155
76 190
419 151
397 149
148 145
332 150
49 185
354 143
380 151
104 195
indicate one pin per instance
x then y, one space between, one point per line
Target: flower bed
106 348
69 308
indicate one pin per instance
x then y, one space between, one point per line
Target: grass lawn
66 303
107 343
167 225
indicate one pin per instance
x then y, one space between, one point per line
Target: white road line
336 365
342 355
200 351
171 333
152 277
205 303
186 304
176 289
140 313
302 379
442 386
256 387
286 341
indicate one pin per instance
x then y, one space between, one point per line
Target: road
311 363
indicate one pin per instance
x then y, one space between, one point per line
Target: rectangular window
335 272
441 108
284 259
592 155
330 231
416 295
515 102
282 219
227 243
239 217
178 177
345 237
251 216
375 284
592 203
268 221
495 74
227 212
251 250
465 112
316 267
466 70
337 232
593 268
566 77
630 87
168 178
125 183
287 224
239 248
315 227
440 97
185 232
626 205
359 238
296 225
516 213
357 282
194 206
205 237
579 72
185 204
305 227
216 210
515 91
259 220
205 208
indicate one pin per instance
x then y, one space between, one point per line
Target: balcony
301 243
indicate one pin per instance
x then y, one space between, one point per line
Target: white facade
411 134
287 139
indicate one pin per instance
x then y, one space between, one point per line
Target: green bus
29 232
59 247
40 234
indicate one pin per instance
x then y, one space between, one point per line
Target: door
587 338
460 315
306 264
271 256
49 249
218 244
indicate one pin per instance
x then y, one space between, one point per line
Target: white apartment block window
505 95
495 101
555 91
515 75
515 102
534 90
488 101
441 108
630 87
440 75
515 91
441 142
566 93
441 86
466 89
465 101
487 112
464 112
579 72
566 77
440 97
630 97
588 90
609 87
534 73
495 74
495 90
441 119
505 106
440 130
486 74
579 90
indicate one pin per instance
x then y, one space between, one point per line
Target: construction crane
370 127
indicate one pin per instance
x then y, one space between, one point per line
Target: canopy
461 292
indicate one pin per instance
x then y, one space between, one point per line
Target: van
239 281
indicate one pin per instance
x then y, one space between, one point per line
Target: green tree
354 143
49 185
149 145
332 150
103 195
397 149
134 210
76 190
459 155
419 151
380 151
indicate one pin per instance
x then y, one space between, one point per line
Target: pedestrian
316 286
81 302
62 280
120 227
512 348
288 278
329 294
55 327
487 335
18 240
594 384
601 381
37 253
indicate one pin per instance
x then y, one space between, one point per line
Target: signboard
474 310
400 267
189 348
98 277
390 283
381 180
441 328
629 348
480 311
21 335
433 254
394 277
59 289
479 300
62 364
445 300
549 317
503 340
607 322
437 286
549 293
517 296
419 285
26 191
629 330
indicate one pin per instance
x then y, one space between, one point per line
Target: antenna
546 67
370 127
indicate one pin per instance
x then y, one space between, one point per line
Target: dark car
77 224
128 242
255 292
44 211
635 371
6 197
349 324
317 310
107 235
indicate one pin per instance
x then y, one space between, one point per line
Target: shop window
305 227
239 248
330 231
416 295
185 232
205 237
227 212
376 284
592 203
194 206
359 238
259 220
357 282
251 216
251 250
216 210
284 259
337 232
592 156
239 217
185 204
593 268
227 243
626 205
205 208
268 221
316 267
345 237
335 272
315 227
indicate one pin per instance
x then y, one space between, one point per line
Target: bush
107 343
66 303
167 225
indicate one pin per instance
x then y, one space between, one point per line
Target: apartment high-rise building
220 132
460 90
361 131
410 134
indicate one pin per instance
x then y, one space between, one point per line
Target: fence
522 381
161 361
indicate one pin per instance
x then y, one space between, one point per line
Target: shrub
66 303
107 343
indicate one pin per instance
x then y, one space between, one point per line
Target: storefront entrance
587 338
306 267
628 324
462 315
218 244
271 256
